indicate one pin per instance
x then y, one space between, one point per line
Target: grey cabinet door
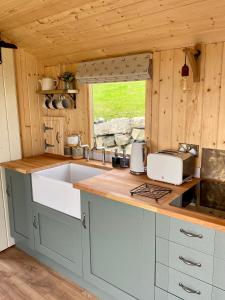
19 193
58 236
118 248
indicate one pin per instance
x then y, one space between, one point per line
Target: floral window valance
118 69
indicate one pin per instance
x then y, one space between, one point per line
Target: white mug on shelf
48 83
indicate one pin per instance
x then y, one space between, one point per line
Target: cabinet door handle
190 234
84 220
189 290
35 223
57 137
189 262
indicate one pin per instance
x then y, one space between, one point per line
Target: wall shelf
50 93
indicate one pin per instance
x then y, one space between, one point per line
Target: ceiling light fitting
193 55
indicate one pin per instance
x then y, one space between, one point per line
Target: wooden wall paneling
165 102
179 100
148 113
77 120
155 96
27 74
194 107
35 108
23 103
211 95
85 124
221 121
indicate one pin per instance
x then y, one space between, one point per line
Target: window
118 114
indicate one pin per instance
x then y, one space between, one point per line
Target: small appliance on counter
138 158
171 166
120 161
124 160
116 160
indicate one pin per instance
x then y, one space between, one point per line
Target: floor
24 278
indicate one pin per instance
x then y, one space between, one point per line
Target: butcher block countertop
116 184
43 162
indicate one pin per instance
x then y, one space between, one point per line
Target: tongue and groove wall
172 116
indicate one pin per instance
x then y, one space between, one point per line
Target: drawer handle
189 262
190 234
189 290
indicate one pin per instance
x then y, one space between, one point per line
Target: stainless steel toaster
170 166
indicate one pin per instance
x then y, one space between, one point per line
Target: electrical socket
192 148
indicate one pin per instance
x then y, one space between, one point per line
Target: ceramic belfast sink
54 187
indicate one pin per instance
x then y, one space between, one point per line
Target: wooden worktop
116 184
42 162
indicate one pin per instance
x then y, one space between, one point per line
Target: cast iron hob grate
151 191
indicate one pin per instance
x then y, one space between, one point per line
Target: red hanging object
185 68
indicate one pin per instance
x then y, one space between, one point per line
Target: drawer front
182 285
186 260
193 236
219 273
217 294
163 295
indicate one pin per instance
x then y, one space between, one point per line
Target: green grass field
117 100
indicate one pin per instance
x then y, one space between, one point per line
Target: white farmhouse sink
54 187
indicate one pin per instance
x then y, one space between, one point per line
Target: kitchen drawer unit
185 233
163 295
219 273
184 259
220 245
182 285
217 294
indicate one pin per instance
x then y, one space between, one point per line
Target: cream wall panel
10 147
11 104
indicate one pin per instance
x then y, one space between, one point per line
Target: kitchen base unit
119 247
110 251
19 194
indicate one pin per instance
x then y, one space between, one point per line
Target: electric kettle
138 158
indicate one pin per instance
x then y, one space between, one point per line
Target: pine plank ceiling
59 31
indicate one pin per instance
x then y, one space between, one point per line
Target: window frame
148 114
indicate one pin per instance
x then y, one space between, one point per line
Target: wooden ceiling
59 31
